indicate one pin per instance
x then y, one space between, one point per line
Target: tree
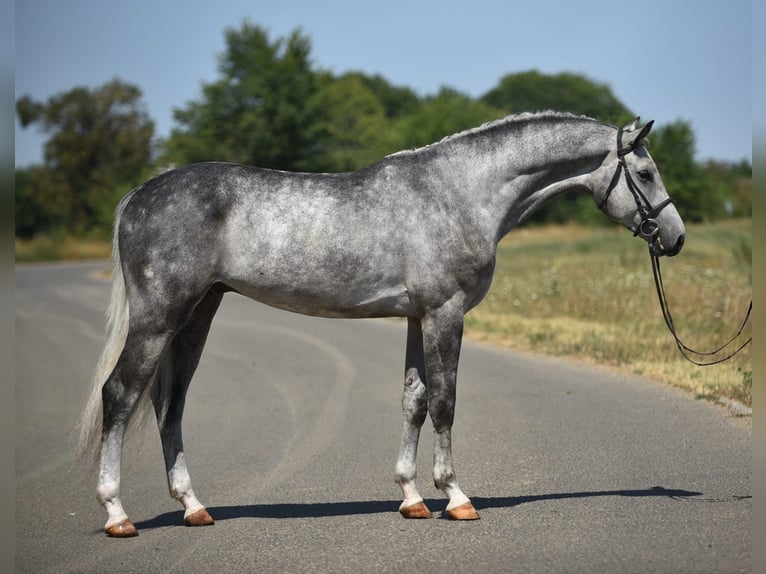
672 147
30 217
262 109
446 113
533 91
733 183
353 125
100 141
396 101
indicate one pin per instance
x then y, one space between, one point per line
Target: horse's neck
522 171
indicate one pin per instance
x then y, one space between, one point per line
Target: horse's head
635 195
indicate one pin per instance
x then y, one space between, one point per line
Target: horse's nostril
677 247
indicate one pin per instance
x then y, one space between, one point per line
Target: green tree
446 113
733 183
261 111
352 128
533 91
672 147
29 216
397 101
100 141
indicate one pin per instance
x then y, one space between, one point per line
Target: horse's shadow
328 509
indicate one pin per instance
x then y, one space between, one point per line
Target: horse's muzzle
658 249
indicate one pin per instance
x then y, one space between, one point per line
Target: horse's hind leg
154 319
120 393
169 399
414 410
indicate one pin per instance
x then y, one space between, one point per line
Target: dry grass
60 247
589 294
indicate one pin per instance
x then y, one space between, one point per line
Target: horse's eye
644 175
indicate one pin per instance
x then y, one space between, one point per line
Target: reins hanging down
684 349
648 228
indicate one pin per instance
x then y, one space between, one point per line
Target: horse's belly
318 266
349 301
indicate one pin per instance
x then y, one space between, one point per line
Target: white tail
118 316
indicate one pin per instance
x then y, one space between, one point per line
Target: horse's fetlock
180 489
107 491
404 473
444 479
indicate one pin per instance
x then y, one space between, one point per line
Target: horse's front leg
414 410
442 336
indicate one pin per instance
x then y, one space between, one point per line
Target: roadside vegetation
588 294
58 246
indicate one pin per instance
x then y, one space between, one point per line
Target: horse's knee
442 414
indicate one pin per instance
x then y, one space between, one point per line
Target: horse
413 236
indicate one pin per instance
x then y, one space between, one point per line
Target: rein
686 351
648 228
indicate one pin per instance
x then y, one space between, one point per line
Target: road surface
292 428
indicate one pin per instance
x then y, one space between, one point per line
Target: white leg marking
108 488
413 407
444 472
406 469
179 481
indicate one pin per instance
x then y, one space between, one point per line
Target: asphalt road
292 428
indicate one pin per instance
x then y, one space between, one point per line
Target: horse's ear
639 139
632 126
633 137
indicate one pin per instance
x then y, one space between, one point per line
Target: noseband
648 227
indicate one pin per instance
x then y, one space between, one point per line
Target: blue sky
665 59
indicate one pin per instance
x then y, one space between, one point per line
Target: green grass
589 294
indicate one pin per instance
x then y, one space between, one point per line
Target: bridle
648 229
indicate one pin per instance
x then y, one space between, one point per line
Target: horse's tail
117 321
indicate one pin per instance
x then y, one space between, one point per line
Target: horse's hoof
418 510
124 529
199 518
463 512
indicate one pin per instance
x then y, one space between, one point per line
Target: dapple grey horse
414 235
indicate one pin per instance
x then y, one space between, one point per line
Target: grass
61 247
588 294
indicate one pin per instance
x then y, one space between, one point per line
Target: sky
666 60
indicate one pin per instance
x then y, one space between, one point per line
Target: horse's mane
512 122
